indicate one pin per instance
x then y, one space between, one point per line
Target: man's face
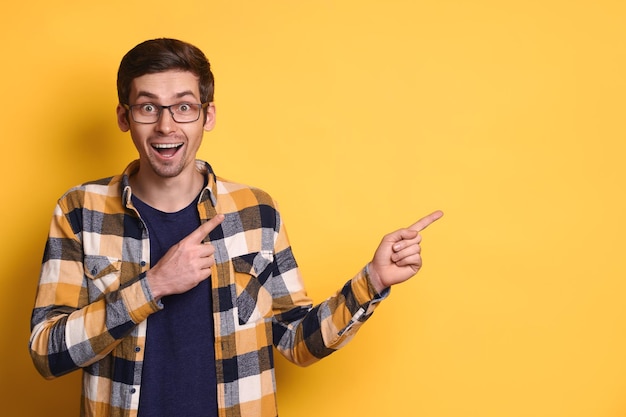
166 147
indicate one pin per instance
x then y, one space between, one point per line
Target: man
169 286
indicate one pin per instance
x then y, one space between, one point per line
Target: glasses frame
129 109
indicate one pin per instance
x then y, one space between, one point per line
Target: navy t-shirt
178 377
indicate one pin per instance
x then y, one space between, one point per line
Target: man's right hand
185 264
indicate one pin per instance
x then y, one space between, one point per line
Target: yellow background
359 117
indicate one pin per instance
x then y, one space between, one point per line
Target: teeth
166 145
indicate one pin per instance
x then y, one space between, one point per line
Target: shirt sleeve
69 329
304 333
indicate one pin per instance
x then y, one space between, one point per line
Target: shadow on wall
79 146
96 148
25 392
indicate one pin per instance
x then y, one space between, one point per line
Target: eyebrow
150 95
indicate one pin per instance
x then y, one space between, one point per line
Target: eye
184 107
148 108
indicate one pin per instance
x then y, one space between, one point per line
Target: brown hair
164 54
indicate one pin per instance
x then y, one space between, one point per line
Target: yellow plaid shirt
93 300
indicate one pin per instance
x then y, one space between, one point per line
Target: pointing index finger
424 222
204 229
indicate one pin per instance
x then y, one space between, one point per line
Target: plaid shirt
93 299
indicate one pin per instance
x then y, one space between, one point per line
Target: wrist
375 280
156 290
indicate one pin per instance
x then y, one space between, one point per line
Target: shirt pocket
103 274
252 274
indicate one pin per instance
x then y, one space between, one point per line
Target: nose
166 123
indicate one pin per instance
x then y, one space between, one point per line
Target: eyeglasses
148 113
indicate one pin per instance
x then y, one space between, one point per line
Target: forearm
325 328
66 338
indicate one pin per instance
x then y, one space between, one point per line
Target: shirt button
143 263
133 390
137 349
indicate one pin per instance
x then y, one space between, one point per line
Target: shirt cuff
364 290
139 300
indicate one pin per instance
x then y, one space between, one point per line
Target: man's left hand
398 256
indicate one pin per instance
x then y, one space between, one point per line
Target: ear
210 117
122 118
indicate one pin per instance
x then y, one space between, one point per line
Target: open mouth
167 150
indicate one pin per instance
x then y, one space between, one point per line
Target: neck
167 194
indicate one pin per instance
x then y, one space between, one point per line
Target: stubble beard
168 169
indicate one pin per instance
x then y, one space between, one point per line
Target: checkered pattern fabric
93 300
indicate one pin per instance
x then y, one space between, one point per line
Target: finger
201 232
206 250
414 261
406 252
207 262
406 238
426 221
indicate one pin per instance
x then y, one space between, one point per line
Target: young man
169 286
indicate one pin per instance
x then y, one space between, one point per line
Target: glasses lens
145 113
185 112
181 112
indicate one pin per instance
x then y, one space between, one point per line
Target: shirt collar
209 191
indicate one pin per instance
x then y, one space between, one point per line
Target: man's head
165 90
160 55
